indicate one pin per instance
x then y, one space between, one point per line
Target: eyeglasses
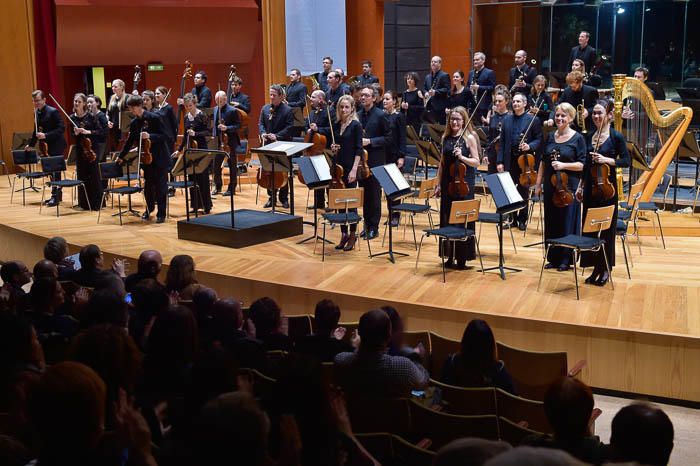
456 119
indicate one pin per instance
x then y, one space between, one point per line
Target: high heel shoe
603 279
351 242
593 277
343 241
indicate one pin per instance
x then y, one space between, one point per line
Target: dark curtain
45 45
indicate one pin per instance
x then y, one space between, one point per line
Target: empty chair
521 410
109 171
514 433
440 348
413 338
28 160
57 164
426 190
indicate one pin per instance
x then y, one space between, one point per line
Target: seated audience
148 300
13 452
469 452
372 372
202 301
47 296
529 456
107 306
396 346
91 273
181 277
14 276
267 318
45 269
56 250
477 363
149 266
325 343
641 433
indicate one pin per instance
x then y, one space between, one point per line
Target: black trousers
372 206
201 200
232 170
522 214
156 189
283 193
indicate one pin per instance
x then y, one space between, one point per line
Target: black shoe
372 234
285 204
549 265
53 202
592 278
145 215
207 211
216 191
160 220
226 193
268 204
449 264
564 268
604 277
363 233
522 226
343 241
194 211
171 192
461 266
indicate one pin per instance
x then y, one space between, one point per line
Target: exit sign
155 67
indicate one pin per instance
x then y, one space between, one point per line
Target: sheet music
509 188
397 177
283 147
321 166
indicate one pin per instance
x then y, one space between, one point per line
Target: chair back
463 212
426 188
440 349
512 432
348 198
409 165
413 338
476 401
299 326
53 164
598 219
380 414
532 371
263 386
634 195
517 410
110 170
25 157
408 454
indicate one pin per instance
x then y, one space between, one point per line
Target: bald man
437 89
521 75
226 122
149 266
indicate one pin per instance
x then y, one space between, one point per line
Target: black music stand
194 162
317 175
280 153
688 149
508 200
395 187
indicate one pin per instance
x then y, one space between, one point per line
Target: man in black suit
239 100
149 125
376 140
521 75
583 51
200 90
367 78
577 93
322 76
514 127
437 88
335 88
226 122
296 99
481 82
51 130
276 124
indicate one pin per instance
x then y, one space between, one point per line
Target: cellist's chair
461 213
110 171
28 160
650 206
426 190
623 220
56 164
597 219
342 199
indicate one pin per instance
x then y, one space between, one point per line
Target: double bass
602 188
562 197
186 74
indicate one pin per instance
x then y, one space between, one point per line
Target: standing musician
99 139
396 152
412 101
200 91
581 97
226 122
296 99
571 148
335 88
436 87
607 147
501 101
460 95
86 126
367 77
318 118
117 104
376 140
149 100
583 51
539 97
276 124
322 76
49 129
239 100
170 125
347 151
481 80
197 129
512 145
521 75
149 125
456 149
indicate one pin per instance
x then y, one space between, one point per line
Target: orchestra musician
226 122
457 148
376 140
367 77
238 99
276 124
642 74
319 119
540 98
149 100
481 81
50 129
460 95
86 171
522 75
200 91
605 146
571 147
149 125
335 88
296 98
346 152
117 104
578 65
396 153
436 88
501 101
581 96
322 76
196 127
512 145
583 51
167 113
412 101
99 139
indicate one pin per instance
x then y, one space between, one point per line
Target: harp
656 136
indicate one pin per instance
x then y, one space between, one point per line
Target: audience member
107 306
326 341
372 372
643 433
396 346
149 266
14 276
267 317
56 250
45 269
224 329
181 277
47 296
529 456
477 363
91 273
202 301
13 452
148 300
469 452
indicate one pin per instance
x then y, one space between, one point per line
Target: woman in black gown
608 147
347 151
539 97
561 221
100 133
197 130
167 114
412 101
396 153
86 170
460 95
466 150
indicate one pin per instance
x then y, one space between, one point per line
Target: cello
526 160
602 188
318 141
562 197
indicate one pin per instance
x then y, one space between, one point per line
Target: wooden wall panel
18 78
450 34
274 43
498 33
364 26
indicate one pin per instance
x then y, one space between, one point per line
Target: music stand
280 153
194 162
317 175
395 187
689 149
508 200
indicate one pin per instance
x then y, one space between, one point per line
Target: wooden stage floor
642 337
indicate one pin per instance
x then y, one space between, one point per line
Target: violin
146 155
603 189
186 74
526 160
85 142
457 186
363 171
560 180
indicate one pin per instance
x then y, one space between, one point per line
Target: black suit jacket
528 75
167 115
533 139
377 129
243 101
486 79
587 95
229 117
281 124
367 80
50 122
440 83
588 55
296 95
203 96
159 134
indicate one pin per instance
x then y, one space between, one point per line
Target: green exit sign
155 67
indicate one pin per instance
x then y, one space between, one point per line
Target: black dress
544 101
614 147
463 250
462 99
559 222
114 113
200 124
495 139
87 171
100 136
415 108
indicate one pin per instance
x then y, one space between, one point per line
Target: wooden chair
440 348
512 432
263 386
478 401
408 454
299 326
342 199
276 363
426 190
413 338
442 428
623 220
380 415
534 371
519 410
